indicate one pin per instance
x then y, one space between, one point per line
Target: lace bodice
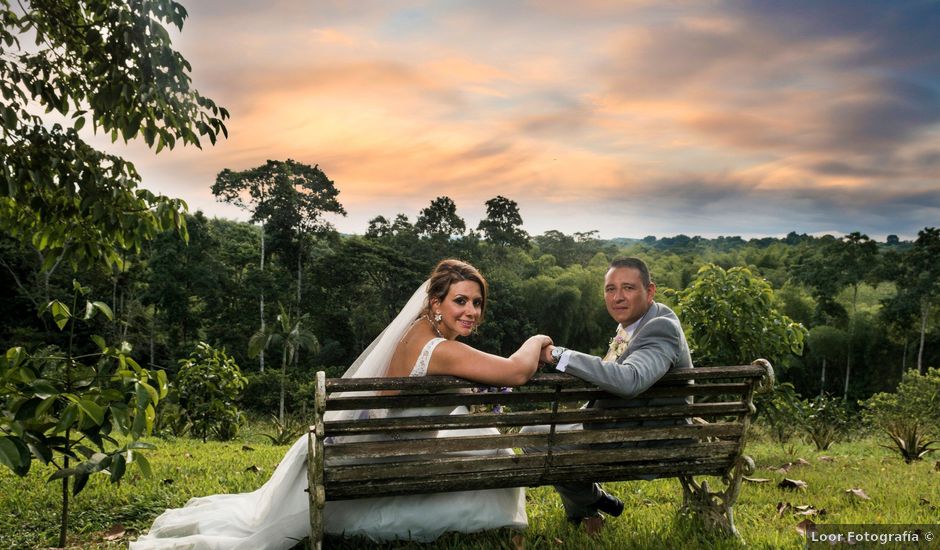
424 358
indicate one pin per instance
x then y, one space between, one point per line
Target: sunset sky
629 118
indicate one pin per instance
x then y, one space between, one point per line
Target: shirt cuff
563 361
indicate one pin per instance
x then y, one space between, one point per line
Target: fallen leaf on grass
756 479
782 508
187 455
168 481
253 469
924 501
805 527
858 493
115 532
784 468
247 448
936 466
788 483
807 510
518 542
825 458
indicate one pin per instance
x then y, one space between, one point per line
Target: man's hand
546 355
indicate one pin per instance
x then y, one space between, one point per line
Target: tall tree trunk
153 329
283 382
904 358
924 309
261 355
64 521
822 379
848 372
299 283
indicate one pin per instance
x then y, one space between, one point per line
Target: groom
649 342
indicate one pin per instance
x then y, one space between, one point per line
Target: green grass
900 493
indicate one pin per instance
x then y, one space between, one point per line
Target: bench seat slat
528 418
405 447
518 397
529 477
451 464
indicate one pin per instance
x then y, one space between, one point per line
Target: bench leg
315 492
716 508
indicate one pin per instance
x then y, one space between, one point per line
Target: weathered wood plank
524 477
405 447
540 379
530 418
450 464
517 398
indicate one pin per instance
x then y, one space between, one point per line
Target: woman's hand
542 340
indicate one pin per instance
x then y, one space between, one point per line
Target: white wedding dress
276 516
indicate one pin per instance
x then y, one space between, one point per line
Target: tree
110 64
302 194
440 220
502 225
291 334
856 260
57 402
179 278
209 382
917 274
731 318
826 343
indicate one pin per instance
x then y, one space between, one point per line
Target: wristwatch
556 353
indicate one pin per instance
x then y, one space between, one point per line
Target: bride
421 341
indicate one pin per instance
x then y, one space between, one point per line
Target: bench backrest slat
530 418
411 447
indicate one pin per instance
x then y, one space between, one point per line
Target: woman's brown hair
448 272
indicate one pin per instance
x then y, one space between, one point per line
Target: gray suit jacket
658 345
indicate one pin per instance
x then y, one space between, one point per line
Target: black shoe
609 504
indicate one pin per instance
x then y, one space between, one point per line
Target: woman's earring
438 317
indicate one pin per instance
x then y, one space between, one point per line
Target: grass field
898 493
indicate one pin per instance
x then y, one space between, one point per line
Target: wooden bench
722 396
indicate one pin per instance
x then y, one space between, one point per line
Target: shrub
209 382
261 395
911 415
825 420
780 410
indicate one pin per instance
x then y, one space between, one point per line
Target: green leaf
143 464
118 465
79 483
15 356
162 383
43 407
60 313
64 472
93 410
140 424
143 396
43 388
69 415
15 455
104 309
141 445
99 341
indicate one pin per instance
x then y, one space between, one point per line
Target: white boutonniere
618 345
